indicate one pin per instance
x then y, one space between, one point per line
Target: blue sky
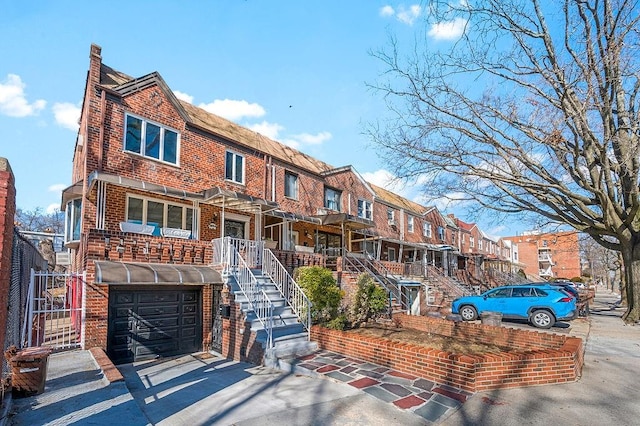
295 71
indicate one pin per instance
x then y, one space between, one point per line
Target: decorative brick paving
407 392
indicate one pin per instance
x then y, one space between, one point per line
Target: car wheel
542 319
468 313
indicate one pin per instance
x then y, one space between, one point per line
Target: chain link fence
25 256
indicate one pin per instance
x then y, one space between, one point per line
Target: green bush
320 287
369 302
339 323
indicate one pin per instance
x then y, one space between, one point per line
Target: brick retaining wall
537 358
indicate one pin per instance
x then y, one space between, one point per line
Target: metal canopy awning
237 200
294 217
96 176
109 272
215 195
71 192
350 221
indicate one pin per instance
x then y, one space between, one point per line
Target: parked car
541 304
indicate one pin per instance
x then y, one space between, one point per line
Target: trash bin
28 369
491 318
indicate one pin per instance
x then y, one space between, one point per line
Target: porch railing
290 290
359 263
239 257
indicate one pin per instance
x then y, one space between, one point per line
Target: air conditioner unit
392 222
63 258
322 211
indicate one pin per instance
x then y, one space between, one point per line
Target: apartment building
549 255
169 203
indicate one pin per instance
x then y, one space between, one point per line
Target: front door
234 229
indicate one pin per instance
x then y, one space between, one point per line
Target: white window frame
292 192
391 214
410 223
327 200
143 135
365 209
426 229
185 208
471 242
73 220
234 171
441 233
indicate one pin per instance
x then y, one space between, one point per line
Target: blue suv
541 305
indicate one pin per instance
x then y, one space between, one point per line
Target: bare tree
601 264
39 221
533 109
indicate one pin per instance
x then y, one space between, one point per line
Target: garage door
146 323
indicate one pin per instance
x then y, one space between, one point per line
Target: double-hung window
234 167
151 140
365 209
426 229
410 224
332 198
290 185
160 214
441 234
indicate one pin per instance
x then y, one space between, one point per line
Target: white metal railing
239 257
293 294
258 300
545 257
54 314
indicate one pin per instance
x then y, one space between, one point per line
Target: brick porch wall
537 363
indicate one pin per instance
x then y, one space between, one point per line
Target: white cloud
57 187
13 101
408 16
183 96
387 11
270 130
450 30
52 208
308 139
233 110
402 14
67 115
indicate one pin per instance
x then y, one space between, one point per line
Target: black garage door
149 322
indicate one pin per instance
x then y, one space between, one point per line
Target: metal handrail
448 282
292 292
236 256
357 263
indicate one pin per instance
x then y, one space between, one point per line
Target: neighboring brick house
549 255
156 181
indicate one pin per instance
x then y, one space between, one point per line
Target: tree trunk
631 282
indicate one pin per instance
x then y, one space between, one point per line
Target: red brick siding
536 363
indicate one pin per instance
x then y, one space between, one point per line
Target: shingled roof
217 125
398 201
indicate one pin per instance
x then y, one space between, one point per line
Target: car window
523 292
503 292
540 293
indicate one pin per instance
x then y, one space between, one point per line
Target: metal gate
216 335
54 312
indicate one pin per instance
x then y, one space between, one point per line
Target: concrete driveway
204 389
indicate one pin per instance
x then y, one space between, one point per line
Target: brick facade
537 359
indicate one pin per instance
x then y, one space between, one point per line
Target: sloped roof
212 123
397 200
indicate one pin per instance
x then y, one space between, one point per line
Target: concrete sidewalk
607 392
204 389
